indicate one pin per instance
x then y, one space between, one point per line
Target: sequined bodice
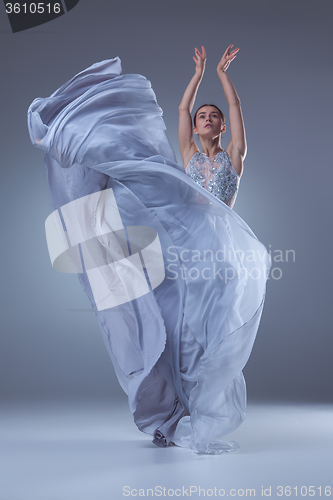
216 174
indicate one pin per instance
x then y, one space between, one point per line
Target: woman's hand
200 60
227 57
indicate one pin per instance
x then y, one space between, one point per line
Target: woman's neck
211 147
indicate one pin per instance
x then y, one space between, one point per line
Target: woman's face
208 122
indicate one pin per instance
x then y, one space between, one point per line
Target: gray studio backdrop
51 347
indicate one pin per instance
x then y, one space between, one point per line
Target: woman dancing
164 260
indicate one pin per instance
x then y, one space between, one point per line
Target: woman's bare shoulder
236 159
186 160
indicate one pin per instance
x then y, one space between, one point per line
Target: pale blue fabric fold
179 349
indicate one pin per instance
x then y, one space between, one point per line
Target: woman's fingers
230 57
226 53
199 54
234 52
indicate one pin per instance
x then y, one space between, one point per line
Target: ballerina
161 258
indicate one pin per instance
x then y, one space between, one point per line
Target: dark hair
214 106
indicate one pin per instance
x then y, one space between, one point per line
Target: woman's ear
195 130
223 128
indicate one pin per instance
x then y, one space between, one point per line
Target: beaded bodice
216 174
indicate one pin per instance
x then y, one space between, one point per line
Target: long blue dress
176 278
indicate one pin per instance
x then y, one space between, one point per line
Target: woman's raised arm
237 146
186 141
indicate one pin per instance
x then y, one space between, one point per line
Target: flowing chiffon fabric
178 349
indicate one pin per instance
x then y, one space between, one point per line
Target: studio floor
93 451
